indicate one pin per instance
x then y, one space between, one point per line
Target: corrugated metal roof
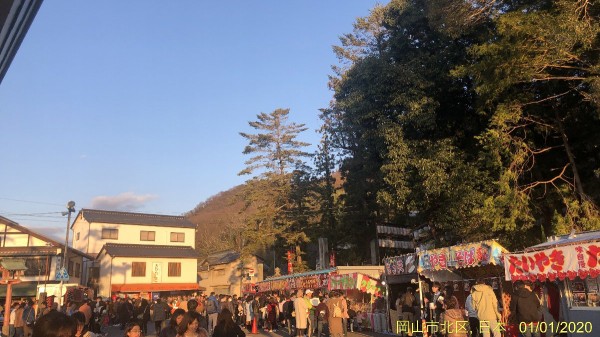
101 216
131 250
568 239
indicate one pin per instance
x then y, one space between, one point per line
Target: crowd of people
306 313
479 316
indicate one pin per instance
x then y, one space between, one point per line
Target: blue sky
137 105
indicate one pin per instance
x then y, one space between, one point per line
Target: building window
110 233
177 237
77 269
147 235
138 269
70 268
36 267
77 236
174 268
220 272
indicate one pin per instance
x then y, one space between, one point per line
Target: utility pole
70 209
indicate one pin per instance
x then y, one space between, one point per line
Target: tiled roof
28 251
223 257
44 238
131 250
101 216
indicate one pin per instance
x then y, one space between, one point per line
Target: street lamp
70 209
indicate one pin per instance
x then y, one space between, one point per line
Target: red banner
581 260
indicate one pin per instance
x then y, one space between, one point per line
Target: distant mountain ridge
221 215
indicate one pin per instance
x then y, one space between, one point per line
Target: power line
31 202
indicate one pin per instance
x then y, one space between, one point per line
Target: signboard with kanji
462 256
581 260
398 265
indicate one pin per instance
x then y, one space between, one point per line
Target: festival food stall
400 273
571 264
458 267
360 284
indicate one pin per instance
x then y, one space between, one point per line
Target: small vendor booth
458 267
566 271
400 273
360 284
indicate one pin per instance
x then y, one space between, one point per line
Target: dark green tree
276 162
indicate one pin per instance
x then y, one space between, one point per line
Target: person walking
226 327
212 310
485 304
125 312
406 306
322 313
453 319
472 315
334 305
301 311
171 329
159 310
288 313
525 308
28 318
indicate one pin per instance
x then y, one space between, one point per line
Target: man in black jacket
525 308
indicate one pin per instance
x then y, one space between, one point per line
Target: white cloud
127 201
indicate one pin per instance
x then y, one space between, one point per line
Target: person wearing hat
311 312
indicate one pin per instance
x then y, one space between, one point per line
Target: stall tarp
403 264
570 261
279 284
461 256
342 282
368 285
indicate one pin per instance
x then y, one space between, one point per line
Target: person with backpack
334 305
407 307
322 317
212 310
28 318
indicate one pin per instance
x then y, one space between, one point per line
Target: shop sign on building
156 272
581 260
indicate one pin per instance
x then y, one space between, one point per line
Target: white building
136 252
42 256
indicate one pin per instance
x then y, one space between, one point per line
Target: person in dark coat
142 315
226 327
525 308
125 313
171 329
159 310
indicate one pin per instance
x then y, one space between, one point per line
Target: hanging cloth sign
342 282
462 256
398 265
581 260
368 285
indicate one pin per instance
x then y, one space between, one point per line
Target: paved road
116 332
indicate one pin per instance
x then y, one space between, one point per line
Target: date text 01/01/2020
556 327
463 326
